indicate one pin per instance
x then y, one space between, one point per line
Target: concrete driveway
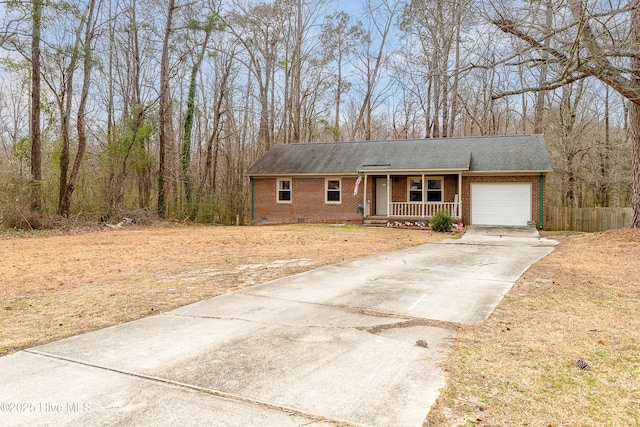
358 343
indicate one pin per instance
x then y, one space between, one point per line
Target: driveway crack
216 393
375 330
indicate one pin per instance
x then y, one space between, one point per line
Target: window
284 191
333 190
415 189
434 190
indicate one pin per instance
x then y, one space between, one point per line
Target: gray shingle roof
478 154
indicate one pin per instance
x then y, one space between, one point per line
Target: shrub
20 219
441 221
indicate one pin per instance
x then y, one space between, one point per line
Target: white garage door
500 203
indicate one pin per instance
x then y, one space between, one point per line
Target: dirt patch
520 366
54 285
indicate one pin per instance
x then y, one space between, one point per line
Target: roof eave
308 175
362 171
509 172
412 171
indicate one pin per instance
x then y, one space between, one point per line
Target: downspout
540 217
253 192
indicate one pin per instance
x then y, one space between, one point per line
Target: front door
382 203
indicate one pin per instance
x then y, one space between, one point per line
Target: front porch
412 197
422 210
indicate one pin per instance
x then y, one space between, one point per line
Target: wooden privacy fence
586 219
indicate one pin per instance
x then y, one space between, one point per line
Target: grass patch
519 366
54 284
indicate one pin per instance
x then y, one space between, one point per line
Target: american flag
358 181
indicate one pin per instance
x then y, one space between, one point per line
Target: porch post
423 207
460 195
364 203
389 195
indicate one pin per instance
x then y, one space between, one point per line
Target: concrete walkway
357 343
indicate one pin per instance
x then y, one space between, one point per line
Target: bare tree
166 132
212 22
36 135
538 119
260 29
340 38
434 31
85 46
589 40
372 60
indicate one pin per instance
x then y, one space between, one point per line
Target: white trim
278 181
326 191
425 184
423 210
425 189
464 171
411 171
460 194
506 208
366 203
389 194
414 178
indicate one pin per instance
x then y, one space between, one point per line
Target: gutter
361 170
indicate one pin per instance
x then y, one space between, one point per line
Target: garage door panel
501 203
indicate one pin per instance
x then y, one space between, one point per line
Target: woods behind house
123 105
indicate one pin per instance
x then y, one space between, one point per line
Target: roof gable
478 154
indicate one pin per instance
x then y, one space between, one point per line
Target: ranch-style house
495 180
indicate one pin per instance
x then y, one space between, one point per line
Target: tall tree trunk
188 125
65 105
297 75
634 118
213 142
110 91
186 139
338 100
363 120
80 124
36 137
427 111
538 119
634 115
287 100
456 76
570 196
603 190
437 103
165 113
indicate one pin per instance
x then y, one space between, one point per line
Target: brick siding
307 202
308 198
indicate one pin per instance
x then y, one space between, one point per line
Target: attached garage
501 204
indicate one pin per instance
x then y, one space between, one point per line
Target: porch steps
375 222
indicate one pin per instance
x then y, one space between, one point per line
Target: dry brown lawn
519 368
516 368
54 285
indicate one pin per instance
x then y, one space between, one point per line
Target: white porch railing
422 210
